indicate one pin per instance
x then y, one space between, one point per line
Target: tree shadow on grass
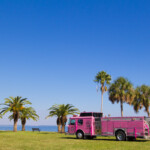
2 131
139 141
47 133
102 139
88 139
72 138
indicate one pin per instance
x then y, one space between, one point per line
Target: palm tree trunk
102 92
121 104
16 116
59 128
59 124
23 122
63 129
102 102
63 123
23 127
15 126
148 113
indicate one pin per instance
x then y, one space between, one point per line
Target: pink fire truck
92 124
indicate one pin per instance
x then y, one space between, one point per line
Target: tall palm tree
142 98
65 110
103 79
55 111
14 105
121 91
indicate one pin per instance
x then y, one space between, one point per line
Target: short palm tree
121 91
142 98
61 112
65 110
55 111
14 105
26 114
103 79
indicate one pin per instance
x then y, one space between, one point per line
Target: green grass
54 141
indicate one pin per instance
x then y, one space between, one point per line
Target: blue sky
51 50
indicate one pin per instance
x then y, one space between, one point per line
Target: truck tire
80 135
120 136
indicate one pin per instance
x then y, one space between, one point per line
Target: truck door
88 126
104 126
110 127
71 128
97 126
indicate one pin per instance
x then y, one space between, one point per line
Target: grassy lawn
55 141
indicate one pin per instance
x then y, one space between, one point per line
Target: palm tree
65 110
103 79
61 112
26 114
142 98
55 111
121 91
14 105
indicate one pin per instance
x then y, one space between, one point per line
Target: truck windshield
91 114
86 114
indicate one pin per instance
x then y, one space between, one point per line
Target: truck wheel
120 136
80 135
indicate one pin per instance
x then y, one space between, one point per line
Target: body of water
29 128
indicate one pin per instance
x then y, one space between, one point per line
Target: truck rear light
146 132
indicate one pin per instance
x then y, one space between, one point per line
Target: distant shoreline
46 128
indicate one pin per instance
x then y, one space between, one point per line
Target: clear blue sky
51 50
